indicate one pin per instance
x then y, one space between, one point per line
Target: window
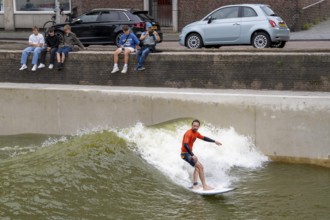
40 5
113 16
89 17
249 12
268 11
230 12
109 16
1 5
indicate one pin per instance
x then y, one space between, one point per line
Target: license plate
154 28
282 24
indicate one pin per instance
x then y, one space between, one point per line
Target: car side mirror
210 19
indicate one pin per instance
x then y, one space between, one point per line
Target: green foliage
307 26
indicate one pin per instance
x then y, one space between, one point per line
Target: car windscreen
268 11
144 16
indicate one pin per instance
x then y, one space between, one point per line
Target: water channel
137 173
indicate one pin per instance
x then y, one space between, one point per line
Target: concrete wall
29 20
196 69
2 24
289 126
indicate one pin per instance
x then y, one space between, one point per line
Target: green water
102 176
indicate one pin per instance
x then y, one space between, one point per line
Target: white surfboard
215 191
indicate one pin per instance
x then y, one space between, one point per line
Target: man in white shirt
36 42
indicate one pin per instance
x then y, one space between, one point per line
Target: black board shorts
187 157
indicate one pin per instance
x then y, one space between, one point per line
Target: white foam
161 148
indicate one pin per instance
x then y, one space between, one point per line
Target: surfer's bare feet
207 188
195 187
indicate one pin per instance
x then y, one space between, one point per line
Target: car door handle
236 24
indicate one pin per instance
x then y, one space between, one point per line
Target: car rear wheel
47 25
194 41
118 37
279 44
60 35
261 40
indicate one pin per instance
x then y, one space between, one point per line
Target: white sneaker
124 69
41 65
23 67
34 68
115 69
51 66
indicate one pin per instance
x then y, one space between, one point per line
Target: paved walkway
317 32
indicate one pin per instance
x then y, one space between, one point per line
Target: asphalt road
316 46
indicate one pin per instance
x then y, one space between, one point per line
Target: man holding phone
149 39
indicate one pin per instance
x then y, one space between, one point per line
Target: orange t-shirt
189 138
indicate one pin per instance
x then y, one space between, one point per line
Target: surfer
187 154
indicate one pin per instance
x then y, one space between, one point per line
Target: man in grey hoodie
69 40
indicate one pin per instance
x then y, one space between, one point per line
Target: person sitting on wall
149 40
51 45
36 42
128 43
66 46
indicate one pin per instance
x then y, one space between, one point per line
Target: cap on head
148 25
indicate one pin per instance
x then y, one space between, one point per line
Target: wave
160 146
117 168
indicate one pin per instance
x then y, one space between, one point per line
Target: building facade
174 14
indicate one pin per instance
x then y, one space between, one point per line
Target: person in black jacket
51 45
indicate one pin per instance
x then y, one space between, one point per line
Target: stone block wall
86 5
312 15
240 70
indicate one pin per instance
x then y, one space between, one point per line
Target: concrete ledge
231 70
288 126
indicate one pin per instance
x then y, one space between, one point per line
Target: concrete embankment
287 126
254 69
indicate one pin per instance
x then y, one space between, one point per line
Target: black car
103 26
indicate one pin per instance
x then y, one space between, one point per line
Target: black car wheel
60 35
279 44
118 37
47 25
261 40
194 41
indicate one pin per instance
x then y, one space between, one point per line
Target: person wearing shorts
187 153
69 40
128 43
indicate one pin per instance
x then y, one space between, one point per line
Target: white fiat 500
245 24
